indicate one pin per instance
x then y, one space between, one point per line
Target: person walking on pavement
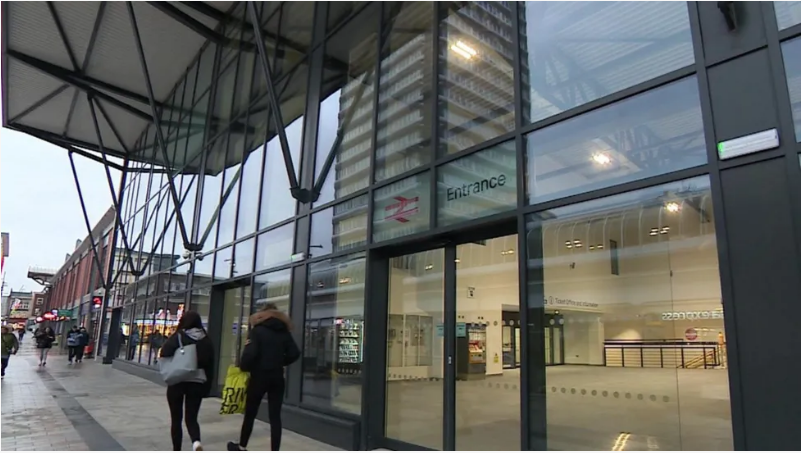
133 342
269 348
184 398
83 343
10 346
73 342
45 336
21 334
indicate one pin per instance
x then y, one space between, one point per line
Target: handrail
662 353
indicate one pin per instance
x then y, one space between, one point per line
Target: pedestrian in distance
269 348
73 342
21 334
10 346
83 343
45 336
184 398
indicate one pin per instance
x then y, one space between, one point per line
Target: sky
39 204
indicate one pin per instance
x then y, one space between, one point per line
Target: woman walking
9 348
269 348
45 336
184 398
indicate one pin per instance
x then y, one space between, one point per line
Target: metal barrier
662 354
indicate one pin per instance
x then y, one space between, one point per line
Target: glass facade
540 169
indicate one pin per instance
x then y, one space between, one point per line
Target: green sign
65 312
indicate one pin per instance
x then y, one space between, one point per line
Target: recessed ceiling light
465 51
592 247
601 159
672 207
429 267
457 260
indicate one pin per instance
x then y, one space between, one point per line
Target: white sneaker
197 446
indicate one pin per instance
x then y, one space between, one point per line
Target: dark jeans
73 352
184 400
5 364
271 384
79 353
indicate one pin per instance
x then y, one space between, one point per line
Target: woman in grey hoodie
184 398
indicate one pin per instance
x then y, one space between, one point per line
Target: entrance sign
748 144
478 185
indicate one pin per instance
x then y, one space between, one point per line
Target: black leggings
273 386
188 396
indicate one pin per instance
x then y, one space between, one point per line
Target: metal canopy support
204 31
114 198
217 211
86 217
38 103
298 193
157 125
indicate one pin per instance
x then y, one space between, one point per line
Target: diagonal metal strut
86 219
157 125
297 193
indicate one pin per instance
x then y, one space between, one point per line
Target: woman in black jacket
189 394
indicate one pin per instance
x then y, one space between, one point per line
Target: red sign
691 334
49 316
401 210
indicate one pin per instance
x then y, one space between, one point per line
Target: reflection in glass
272 288
200 302
334 334
404 131
275 247
223 262
647 135
339 228
476 81
243 258
488 291
402 208
792 68
478 185
277 203
653 332
415 362
249 193
787 13
573 55
234 301
347 108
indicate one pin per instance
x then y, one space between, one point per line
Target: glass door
233 332
415 364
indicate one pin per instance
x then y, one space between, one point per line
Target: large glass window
629 285
478 185
787 14
576 52
402 208
275 247
404 92
340 227
243 258
650 134
276 202
334 333
792 67
249 193
274 288
346 112
476 80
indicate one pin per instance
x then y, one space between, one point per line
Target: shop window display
333 352
652 333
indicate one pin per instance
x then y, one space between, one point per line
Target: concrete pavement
90 406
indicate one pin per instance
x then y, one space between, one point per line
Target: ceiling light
567 242
570 246
577 241
672 207
601 159
600 246
457 260
592 247
464 50
429 267
345 280
510 252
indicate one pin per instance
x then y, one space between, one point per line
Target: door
236 308
443 359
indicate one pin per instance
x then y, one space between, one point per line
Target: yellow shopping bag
234 391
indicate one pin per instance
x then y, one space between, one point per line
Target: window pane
402 208
787 14
222 263
272 288
249 195
334 334
572 55
243 258
650 134
476 83
275 247
404 131
479 185
347 108
201 299
277 203
629 285
340 227
792 67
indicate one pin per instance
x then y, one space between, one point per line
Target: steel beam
38 103
86 216
114 198
278 120
157 123
204 31
216 214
